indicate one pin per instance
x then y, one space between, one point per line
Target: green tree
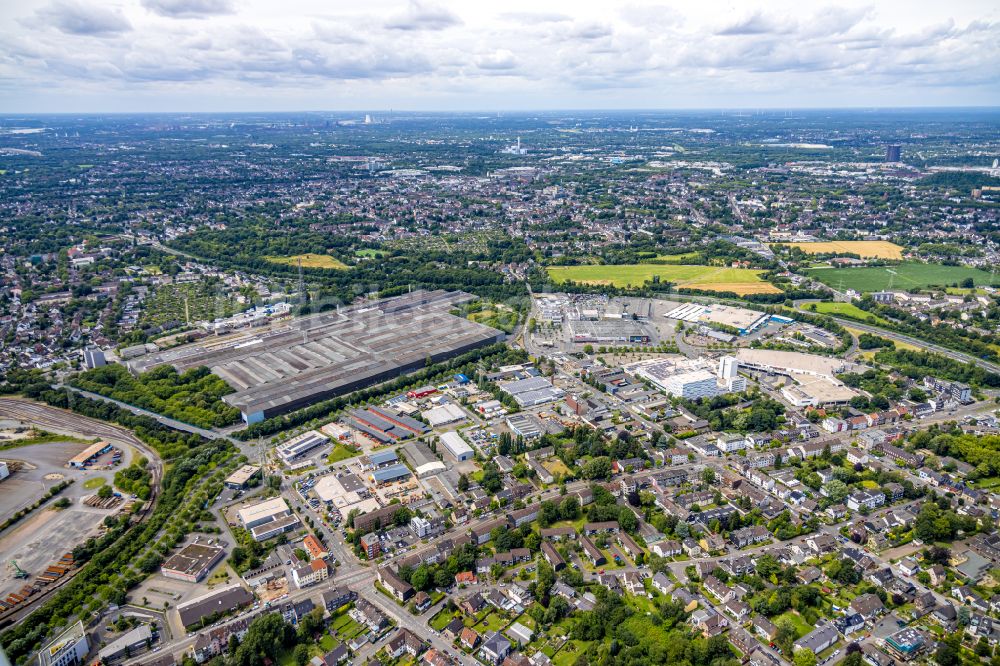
836 490
805 657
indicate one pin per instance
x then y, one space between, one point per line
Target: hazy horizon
383 114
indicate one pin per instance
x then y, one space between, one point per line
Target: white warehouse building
457 446
693 384
299 446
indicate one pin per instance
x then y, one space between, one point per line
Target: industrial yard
43 535
326 355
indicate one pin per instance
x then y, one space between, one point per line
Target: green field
670 258
341 452
846 310
797 621
710 278
908 275
570 652
94 483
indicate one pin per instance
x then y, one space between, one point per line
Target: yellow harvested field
864 249
310 260
739 288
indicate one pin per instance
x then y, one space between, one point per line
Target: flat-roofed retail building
291 365
242 476
263 512
192 562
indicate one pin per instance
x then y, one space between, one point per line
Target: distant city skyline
303 55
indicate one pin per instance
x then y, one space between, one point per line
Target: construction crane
18 571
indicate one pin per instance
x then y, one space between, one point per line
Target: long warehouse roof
333 352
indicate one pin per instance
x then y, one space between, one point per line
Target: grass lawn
641 604
221 575
610 557
556 466
570 652
797 622
441 620
327 643
526 620
309 260
908 275
341 452
94 483
847 310
575 524
710 278
864 249
368 252
492 622
346 627
987 483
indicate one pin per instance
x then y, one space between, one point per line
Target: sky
371 55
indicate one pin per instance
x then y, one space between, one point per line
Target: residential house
468 638
823 636
405 641
667 548
764 627
747 536
398 587
868 606
718 589
494 648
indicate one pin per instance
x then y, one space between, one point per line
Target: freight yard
35 551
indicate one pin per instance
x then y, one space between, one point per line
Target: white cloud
189 8
78 18
526 54
423 16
